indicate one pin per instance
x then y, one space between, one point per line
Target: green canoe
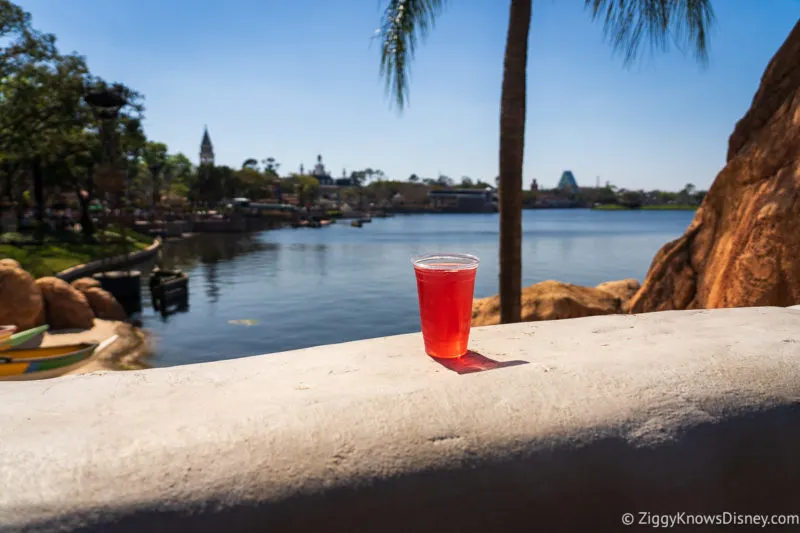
30 338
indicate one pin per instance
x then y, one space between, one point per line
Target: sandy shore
129 352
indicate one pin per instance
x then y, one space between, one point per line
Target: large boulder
66 307
10 262
104 305
743 246
82 284
550 300
21 302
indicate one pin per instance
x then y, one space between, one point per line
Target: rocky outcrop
83 284
743 246
21 302
551 300
65 306
103 304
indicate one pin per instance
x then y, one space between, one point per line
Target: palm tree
628 24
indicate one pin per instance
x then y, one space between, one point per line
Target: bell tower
206 149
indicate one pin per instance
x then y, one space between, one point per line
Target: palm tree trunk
512 145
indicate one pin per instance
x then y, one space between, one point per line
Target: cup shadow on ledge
474 362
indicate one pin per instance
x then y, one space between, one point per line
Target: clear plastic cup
445 286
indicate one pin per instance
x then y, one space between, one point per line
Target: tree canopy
54 143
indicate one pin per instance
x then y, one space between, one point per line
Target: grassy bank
662 207
59 252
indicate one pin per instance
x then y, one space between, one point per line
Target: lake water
294 288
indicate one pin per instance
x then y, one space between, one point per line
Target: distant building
464 200
330 188
567 182
534 185
206 149
322 175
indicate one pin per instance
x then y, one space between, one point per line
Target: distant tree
413 178
212 184
368 173
155 157
358 177
180 169
251 163
632 198
686 195
466 182
445 181
305 187
250 183
699 196
529 198
271 166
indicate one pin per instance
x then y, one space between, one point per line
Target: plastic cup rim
471 264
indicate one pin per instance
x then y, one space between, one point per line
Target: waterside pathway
294 288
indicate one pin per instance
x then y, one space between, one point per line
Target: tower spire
206 148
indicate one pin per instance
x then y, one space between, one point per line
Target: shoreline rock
65 306
554 300
21 300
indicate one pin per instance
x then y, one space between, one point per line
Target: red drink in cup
445 285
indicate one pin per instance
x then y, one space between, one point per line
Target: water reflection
305 287
211 248
211 276
207 251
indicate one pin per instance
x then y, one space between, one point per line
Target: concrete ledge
693 411
118 261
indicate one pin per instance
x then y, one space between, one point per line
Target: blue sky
294 78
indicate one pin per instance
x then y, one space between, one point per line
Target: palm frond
404 22
630 23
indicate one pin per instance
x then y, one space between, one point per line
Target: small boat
48 362
365 220
38 363
356 223
168 287
5 336
168 278
30 338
